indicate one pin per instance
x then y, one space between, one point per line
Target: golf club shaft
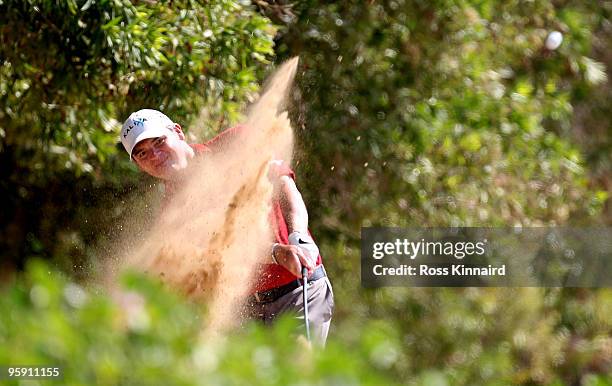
305 298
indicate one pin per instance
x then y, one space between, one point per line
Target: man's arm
292 206
296 216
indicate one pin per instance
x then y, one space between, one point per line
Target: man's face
158 156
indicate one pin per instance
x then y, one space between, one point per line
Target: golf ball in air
554 39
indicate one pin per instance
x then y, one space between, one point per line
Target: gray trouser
320 307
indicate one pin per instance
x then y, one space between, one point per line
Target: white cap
143 124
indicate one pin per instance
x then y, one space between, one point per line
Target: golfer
157 146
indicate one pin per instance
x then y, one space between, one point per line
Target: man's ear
179 131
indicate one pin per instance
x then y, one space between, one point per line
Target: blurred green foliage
146 335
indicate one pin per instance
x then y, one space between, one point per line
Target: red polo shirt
268 275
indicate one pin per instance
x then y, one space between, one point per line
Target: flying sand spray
209 239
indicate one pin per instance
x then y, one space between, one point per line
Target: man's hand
293 258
